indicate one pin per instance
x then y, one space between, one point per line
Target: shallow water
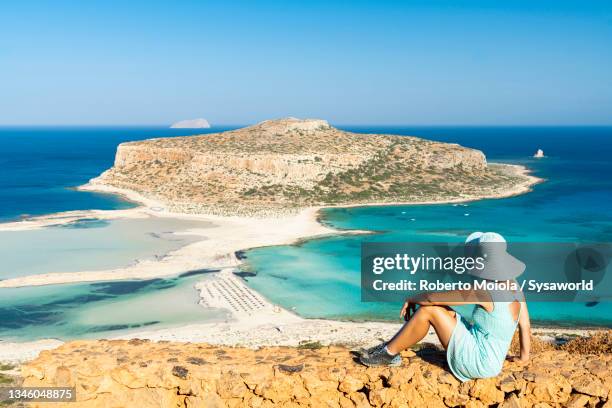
102 309
91 245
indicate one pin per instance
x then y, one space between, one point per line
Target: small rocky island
280 166
191 124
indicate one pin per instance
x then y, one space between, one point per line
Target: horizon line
222 125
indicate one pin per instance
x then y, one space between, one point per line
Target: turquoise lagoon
321 278
102 309
91 244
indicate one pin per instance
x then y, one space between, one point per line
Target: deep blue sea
41 165
318 278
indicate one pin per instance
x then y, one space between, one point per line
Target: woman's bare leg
441 318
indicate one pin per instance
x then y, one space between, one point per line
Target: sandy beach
216 249
219 243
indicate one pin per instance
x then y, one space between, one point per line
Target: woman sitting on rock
473 350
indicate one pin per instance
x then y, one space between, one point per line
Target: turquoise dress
478 350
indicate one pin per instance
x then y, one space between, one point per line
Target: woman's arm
450 298
453 298
524 325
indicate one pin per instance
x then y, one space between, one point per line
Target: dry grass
597 343
537 345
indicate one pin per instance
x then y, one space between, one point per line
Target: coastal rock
288 164
175 376
578 401
511 402
191 124
590 385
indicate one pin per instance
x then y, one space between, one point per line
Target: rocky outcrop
143 374
290 164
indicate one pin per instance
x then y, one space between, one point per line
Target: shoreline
304 225
217 249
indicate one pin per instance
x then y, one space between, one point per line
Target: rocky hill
288 164
143 374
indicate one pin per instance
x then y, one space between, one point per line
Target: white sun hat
498 263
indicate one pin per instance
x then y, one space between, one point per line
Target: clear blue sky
351 62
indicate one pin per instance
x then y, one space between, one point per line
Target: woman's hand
404 309
408 310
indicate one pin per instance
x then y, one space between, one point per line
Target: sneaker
380 358
365 352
